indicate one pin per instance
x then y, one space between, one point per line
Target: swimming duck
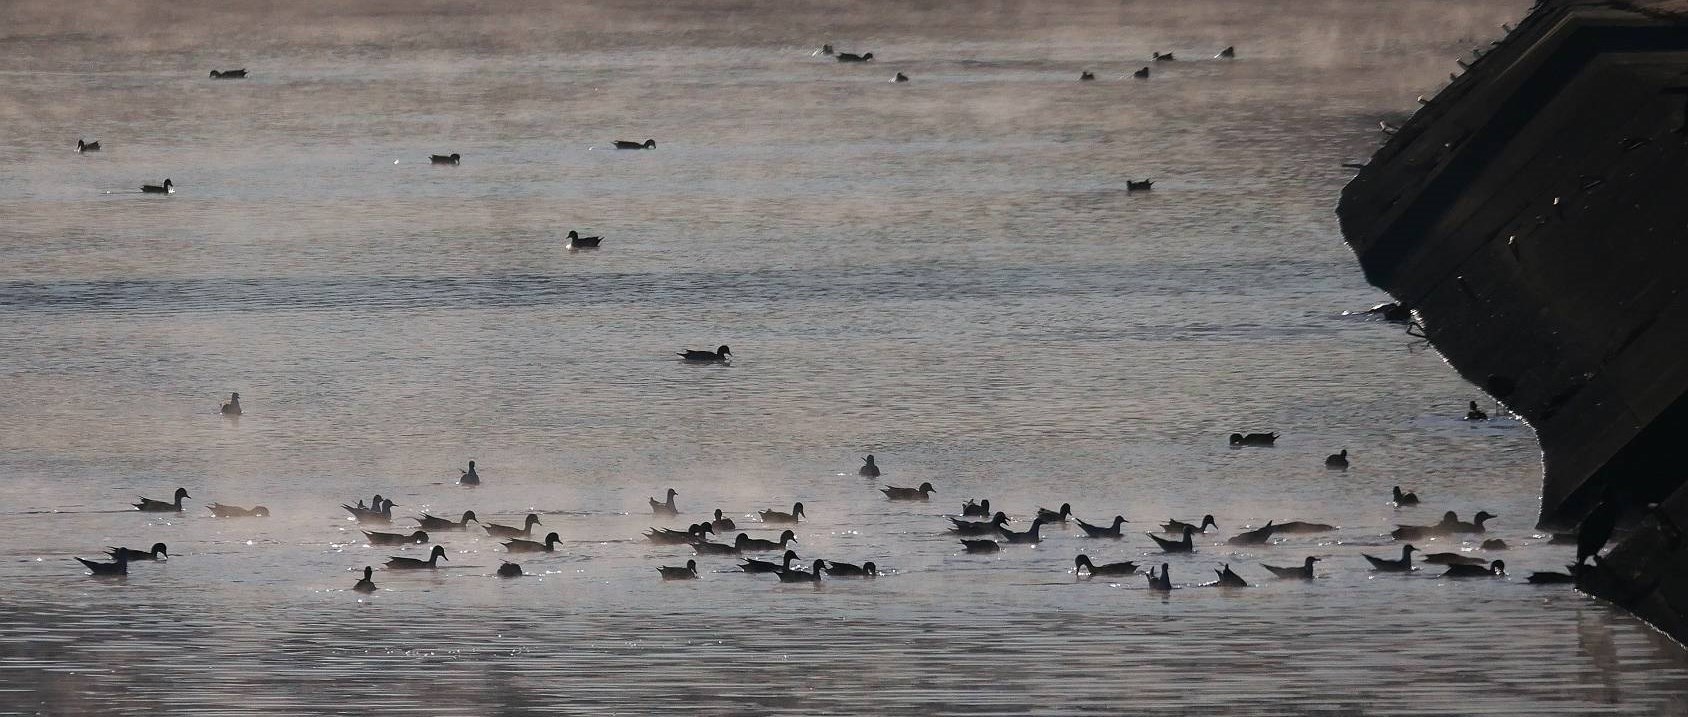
721 522
1302 527
1177 526
469 477
232 408
869 469
924 492
1337 461
825 50
666 507
979 527
367 584
157 188
239 74
419 537
1476 414
517 545
803 576
774 516
1404 498
1550 578
899 77
1226 54
1186 545
1056 516
686 573
1086 76
704 547
1097 531
229 511
980 546
1132 185
627 144
717 356
576 241
158 551
430 522
1142 74
158 506
453 159
438 553
1305 572
1258 536
509 570
1476 524
1461 570
1162 57
1028 537
981 509
1082 563
120 566
1254 439
664 536
1452 559
1162 582
1419 532
745 542
752 565
383 514
1494 544
1405 564
504 531
846 570
1229 579
850 57
87 146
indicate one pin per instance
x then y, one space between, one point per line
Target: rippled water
947 273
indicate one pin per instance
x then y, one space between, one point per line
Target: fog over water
947 273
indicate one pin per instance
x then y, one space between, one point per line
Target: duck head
1236 438
867 56
419 537
1498 567
871 569
927 488
818 567
455 157
1481 516
368 572
672 493
1066 509
438 552
532 520
999 518
717 513
1450 517
167 183
650 144
787 537
868 460
1207 520
790 555
1189 532
1310 561
1407 551
159 549
469 515
471 465
552 539
182 493
1118 519
1082 561
691 565
796 508
723 350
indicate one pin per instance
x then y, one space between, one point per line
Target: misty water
947 273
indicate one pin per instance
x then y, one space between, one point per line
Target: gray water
946 273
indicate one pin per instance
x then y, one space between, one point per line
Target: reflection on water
946 273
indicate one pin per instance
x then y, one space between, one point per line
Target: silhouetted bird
576 241
686 573
868 469
1082 564
720 354
629 144
1226 54
1086 76
1337 461
451 159
850 57
164 188
470 477
1476 414
367 584
232 408
1142 74
87 146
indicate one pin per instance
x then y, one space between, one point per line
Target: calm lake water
947 273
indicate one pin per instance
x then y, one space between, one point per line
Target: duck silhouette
1337 461
980 546
629 144
1097 531
504 531
721 523
82 146
149 505
232 408
1056 516
510 570
159 551
452 159
1177 526
239 74
924 492
1185 545
437 554
576 241
689 572
1259 536
1082 565
1142 74
1162 582
469 477
869 469
851 57
1228 53
746 543
429 522
1305 572
981 509
803 576
164 188
1133 185
666 507
1404 498
847 570
119 565
518 545
752 565
979 527
380 512
1405 564
1475 413
1030 536
774 516
367 584
418 538
1229 579
698 356
1254 439
899 77
1462 570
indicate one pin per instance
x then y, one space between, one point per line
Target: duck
1186 545
510 570
667 506
159 551
430 522
1475 413
629 144
1452 559
232 408
1259 536
1229 579
1097 531
419 537
1479 570
689 572
230 511
721 523
1162 582
979 527
1142 74
504 531
1552 578
981 509
847 570
1302 527
380 512
1029 537
239 74
1082 564
1476 524
576 241
704 547
924 492
1405 564
82 146
1228 53
1133 185
1177 526
164 188
469 477
1254 439
149 505
1162 57
664 536
1056 516
899 77
825 50
453 159
745 542
980 546
719 355
438 553
1419 532
1402 498
752 565
1337 461
774 516
803 576
1305 572
119 566
367 584
869 469
517 545
851 57
1086 76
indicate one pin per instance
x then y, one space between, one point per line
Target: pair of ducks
121 557
1458 566
833 568
787 575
